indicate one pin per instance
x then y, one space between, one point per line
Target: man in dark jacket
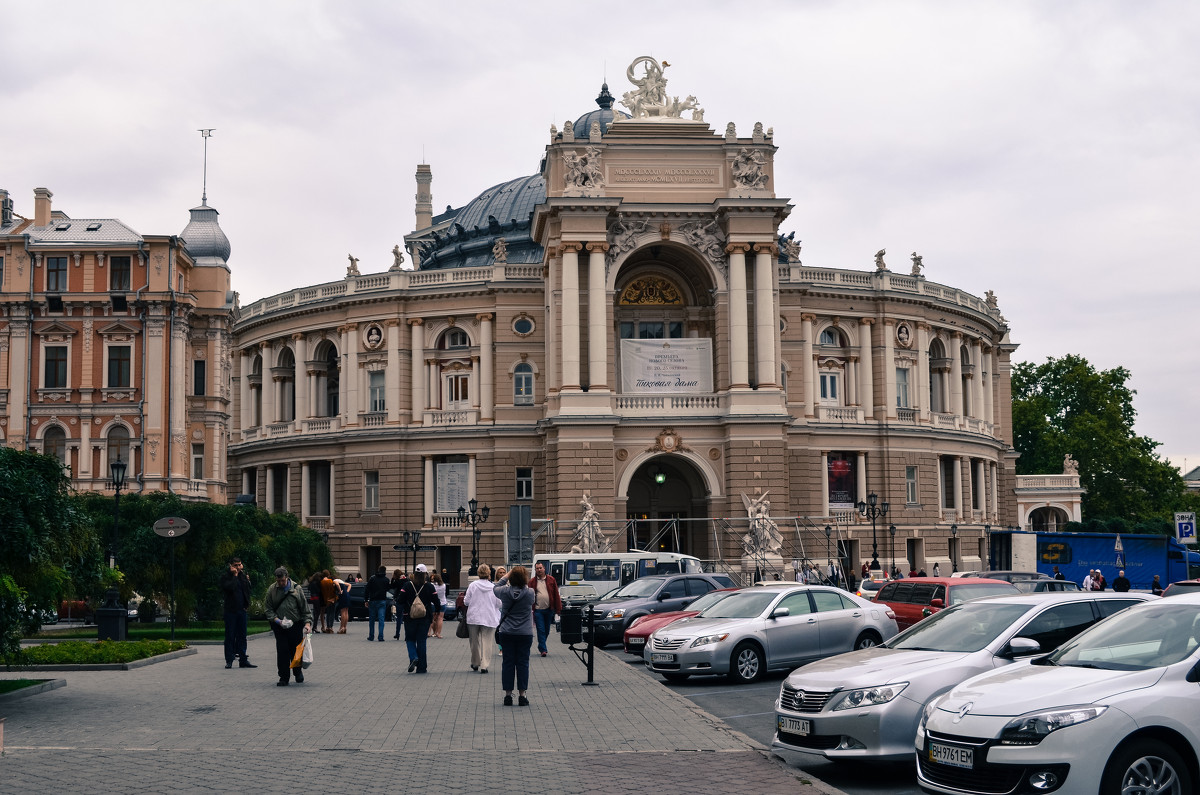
235 585
376 599
1121 584
546 605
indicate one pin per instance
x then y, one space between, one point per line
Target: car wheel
1146 766
676 677
746 664
866 640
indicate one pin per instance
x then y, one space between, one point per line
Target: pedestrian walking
516 632
287 611
329 591
235 586
547 604
397 585
343 605
439 585
416 627
375 596
483 616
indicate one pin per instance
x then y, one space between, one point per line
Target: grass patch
9 685
203 630
73 652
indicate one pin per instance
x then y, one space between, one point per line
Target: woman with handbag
435 629
516 632
420 601
286 609
483 616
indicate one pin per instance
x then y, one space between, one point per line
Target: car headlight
925 715
868 696
1031 729
705 640
616 612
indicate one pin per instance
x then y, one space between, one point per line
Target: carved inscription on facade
636 175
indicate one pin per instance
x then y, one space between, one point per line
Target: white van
582 578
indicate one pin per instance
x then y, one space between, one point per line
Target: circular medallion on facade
523 325
372 336
622 454
714 453
904 335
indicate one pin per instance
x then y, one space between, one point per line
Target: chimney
41 206
6 208
424 197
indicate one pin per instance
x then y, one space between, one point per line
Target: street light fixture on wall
117 470
873 509
473 519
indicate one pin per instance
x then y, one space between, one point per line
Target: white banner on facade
669 366
452 486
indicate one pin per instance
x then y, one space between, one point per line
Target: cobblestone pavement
360 722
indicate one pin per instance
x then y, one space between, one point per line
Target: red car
638 632
914 598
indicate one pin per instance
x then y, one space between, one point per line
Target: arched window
831 336
939 365
333 380
523 385
286 391
118 445
965 356
256 391
54 443
454 338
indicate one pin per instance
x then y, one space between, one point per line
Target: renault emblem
963 710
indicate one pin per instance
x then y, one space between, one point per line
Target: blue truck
1076 554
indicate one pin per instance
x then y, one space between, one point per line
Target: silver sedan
866 705
767 628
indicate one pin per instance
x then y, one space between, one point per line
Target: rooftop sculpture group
649 99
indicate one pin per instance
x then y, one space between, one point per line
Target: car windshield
965 628
636 588
741 604
1135 640
965 593
708 600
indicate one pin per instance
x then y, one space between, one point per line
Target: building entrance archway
667 503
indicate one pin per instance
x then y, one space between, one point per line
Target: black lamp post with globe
873 509
473 518
117 470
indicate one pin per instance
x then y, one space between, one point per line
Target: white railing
453 417
321 424
644 405
279 429
907 415
945 420
840 414
372 419
318 523
884 281
1047 481
446 521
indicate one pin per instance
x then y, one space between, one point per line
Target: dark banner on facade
843 478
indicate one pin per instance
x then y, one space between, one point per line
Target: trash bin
571 625
111 619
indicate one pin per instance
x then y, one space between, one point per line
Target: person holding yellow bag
287 611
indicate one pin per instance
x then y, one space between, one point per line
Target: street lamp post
873 509
987 546
412 541
954 548
892 546
472 519
117 470
828 554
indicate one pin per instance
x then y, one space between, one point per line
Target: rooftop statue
649 99
352 269
879 263
1070 465
500 251
397 257
917 264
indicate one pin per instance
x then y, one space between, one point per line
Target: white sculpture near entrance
649 99
762 545
591 539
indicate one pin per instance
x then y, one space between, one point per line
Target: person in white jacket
483 616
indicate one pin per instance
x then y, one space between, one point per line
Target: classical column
351 376
989 358
268 387
981 486
889 368
269 501
958 487
332 493
809 376
475 378
597 318
428 491
977 381
300 387
860 472
866 378
391 379
247 411
739 350
956 390
570 315
417 345
433 372
823 479
487 369
304 492
994 491
766 319
472 476
924 396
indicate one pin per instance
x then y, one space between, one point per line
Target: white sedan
1112 711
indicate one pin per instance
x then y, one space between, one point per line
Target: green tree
48 549
262 540
1067 406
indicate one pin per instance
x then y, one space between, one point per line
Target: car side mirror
937 603
664 595
780 612
1022 647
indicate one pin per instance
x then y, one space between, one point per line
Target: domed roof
504 210
604 115
203 238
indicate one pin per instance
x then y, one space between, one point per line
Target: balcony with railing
840 414
673 405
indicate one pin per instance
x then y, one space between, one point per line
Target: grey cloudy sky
1044 150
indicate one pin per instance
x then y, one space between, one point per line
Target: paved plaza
360 722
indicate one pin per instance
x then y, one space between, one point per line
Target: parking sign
1185 528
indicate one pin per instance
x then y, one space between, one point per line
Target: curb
33 690
129 666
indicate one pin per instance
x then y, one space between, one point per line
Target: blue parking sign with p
1185 528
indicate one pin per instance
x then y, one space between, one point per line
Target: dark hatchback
358 603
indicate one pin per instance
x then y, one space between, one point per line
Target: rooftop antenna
205 134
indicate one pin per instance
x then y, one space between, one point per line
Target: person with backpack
420 600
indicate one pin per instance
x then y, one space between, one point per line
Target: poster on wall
452 486
842 480
670 366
